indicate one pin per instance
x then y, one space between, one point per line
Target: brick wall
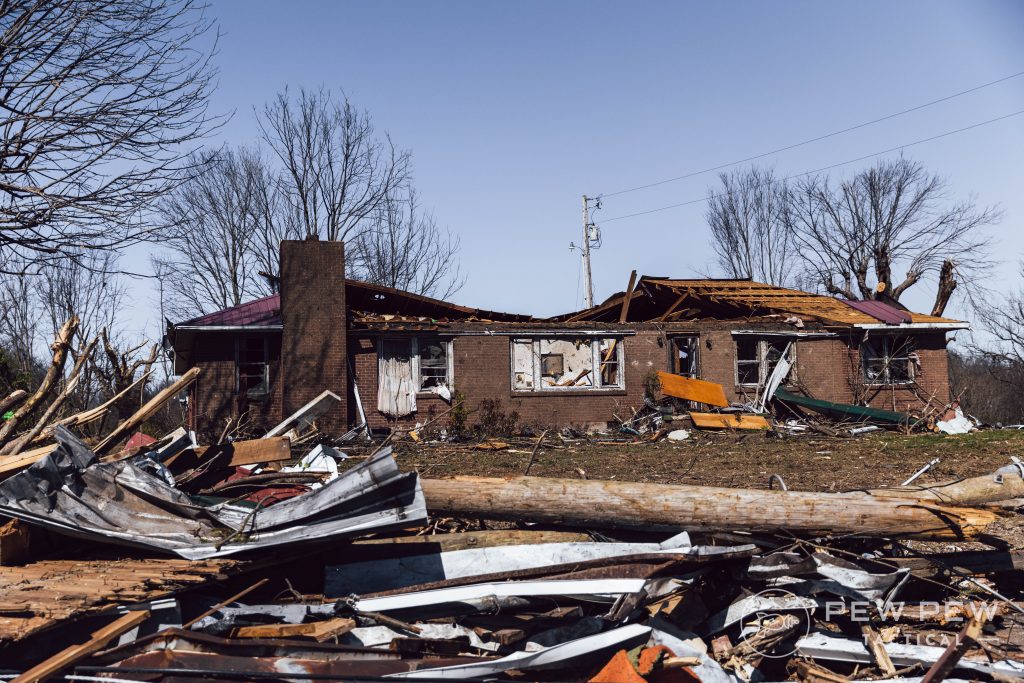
482 370
827 368
314 339
214 395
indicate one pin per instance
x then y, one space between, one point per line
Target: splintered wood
41 594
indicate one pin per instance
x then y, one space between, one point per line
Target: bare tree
19 323
97 100
855 235
750 227
225 227
404 248
336 172
86 285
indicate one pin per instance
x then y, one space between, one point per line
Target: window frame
597 362
240 342
885 343
414 359
764 368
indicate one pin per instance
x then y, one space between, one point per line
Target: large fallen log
612 504
989 488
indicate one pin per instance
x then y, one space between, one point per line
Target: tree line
876 235
105 133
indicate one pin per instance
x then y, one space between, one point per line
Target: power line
824 168
817 139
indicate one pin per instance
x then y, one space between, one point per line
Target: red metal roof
261 312
883 312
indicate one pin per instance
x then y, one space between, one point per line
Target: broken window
425 360
888 360
756 358
252 368
684 355
433 355
566 363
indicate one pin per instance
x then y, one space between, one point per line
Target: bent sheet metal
72 492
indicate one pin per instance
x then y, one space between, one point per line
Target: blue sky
513 110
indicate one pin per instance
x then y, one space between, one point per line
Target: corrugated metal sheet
265 311
882 312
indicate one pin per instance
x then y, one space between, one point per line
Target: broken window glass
253 368
576 366
888 360
756 358
433 363
522 365
566 363
748 361
608 352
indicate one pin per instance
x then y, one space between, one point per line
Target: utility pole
588 279
591 240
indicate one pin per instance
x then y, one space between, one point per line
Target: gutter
914 326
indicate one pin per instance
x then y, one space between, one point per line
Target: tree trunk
947 283
12 399
973 491
609 504
60 354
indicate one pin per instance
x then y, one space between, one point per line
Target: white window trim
595 348
762 364
414 360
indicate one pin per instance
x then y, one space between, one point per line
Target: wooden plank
317 630
711 393
145 412
728 421
672 309
12 464
254 451
624 313
69 656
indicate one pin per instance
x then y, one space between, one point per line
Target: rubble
302 555
360 577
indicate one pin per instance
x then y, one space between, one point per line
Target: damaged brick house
396 357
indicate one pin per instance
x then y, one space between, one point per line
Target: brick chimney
313 341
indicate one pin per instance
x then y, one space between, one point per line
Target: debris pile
280 559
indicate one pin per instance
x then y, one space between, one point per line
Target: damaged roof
361 297
667 300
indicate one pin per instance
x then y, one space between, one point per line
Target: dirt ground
806 462
809 463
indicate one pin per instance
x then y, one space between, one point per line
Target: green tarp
843 411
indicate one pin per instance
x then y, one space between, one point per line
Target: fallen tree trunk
611 504
60 347
972 491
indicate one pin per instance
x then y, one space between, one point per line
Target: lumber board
12 464
698 390
317 630
256 451
618 504
37 596
69 656
729 421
